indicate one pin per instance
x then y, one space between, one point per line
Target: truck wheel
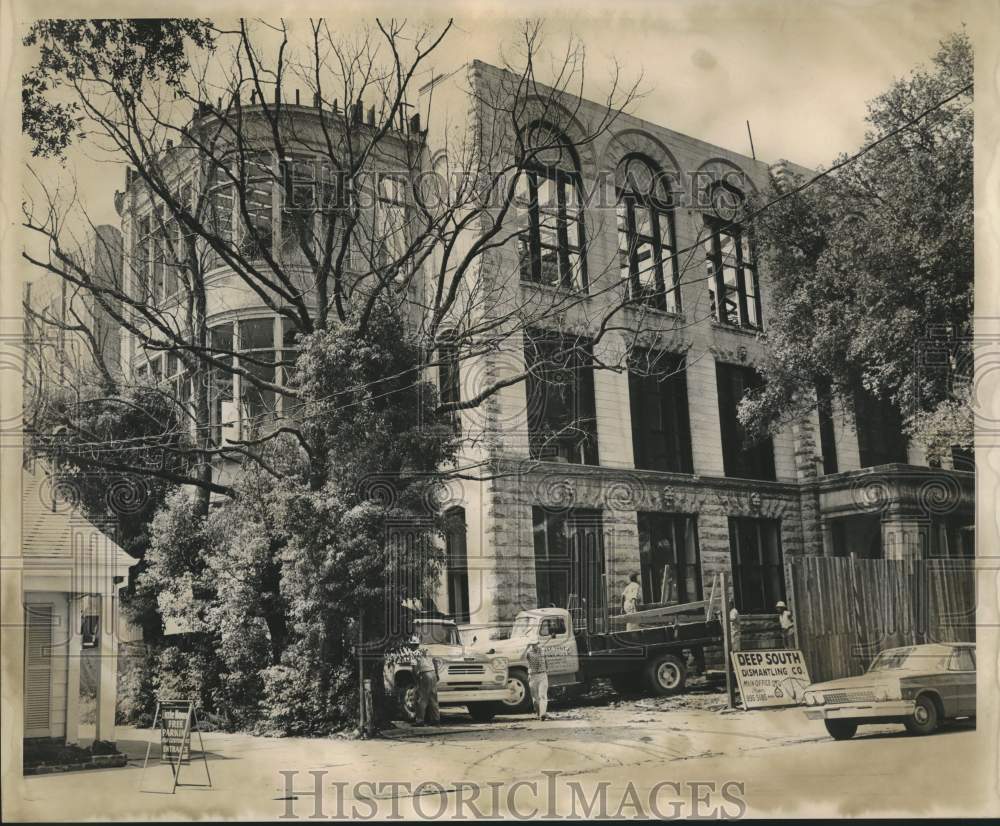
406 701
482 712
665 674
841 729
925 717
520 694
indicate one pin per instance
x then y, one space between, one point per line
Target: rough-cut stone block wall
808 464
619 495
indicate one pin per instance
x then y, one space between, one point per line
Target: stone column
804 436
905 536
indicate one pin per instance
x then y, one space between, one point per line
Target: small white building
70 568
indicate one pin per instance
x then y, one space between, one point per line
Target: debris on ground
568 714
679 702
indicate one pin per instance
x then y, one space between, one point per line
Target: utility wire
674 254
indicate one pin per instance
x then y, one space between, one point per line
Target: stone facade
502 563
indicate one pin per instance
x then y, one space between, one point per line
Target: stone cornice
898 488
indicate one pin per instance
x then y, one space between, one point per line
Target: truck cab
651 650
552 630
465 678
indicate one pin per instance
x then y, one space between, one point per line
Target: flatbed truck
654 654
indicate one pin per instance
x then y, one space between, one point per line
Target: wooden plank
711 600
644 617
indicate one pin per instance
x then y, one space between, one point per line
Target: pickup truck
465 678
650 655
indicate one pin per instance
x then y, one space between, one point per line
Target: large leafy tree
123 55
872 265
277 581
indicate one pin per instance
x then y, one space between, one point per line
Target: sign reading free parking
175 731
771 678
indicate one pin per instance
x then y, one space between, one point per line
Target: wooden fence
847 610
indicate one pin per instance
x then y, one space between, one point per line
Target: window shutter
38 670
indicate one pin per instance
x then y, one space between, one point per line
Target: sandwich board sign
770 678
176 721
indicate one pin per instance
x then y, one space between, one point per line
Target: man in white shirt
630 599
538 680
787 624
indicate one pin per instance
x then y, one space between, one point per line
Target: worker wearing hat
425 669
787 624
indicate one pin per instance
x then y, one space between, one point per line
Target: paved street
782 761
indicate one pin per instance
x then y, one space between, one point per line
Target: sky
801 73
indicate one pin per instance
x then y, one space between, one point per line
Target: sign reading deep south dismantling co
770 678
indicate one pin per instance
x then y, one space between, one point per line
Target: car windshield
889 660
437 633
523 626
909 658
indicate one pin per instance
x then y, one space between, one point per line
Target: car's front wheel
925 717
841 729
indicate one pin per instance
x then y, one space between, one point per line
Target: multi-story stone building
263 203
631 241
646 470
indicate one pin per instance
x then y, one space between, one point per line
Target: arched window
551 240
646 235
457 564
257 226
732 270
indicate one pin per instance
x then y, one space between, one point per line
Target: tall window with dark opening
457 559
257 355
220 211
740 458
562 411
880 430
827 433
298 205
669 558
290 405
661 429
569 563
758 570
549 206
449 378
733 288
257 228
141 264
222 410
646 235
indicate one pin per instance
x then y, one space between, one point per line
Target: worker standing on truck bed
425 670
538 680
630 599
